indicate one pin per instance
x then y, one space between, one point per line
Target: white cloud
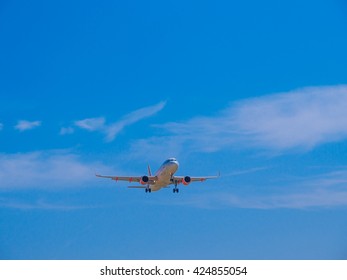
92 124
46 169
23 125
298 200
300 119
324 191
291 201
111 130
38 204
66 130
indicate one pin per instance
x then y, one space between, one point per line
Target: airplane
162 178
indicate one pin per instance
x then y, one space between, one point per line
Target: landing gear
148 190
175 190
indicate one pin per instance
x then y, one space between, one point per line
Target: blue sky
255 90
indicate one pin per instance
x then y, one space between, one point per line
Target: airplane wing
130 179
202 179
180 179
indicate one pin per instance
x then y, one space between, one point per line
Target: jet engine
144 180
186 180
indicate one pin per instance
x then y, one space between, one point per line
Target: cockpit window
169 160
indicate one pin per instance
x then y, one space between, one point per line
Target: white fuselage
164 174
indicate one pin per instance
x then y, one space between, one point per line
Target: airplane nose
174 164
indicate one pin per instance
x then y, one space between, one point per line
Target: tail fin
149 170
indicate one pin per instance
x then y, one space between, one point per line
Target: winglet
149 170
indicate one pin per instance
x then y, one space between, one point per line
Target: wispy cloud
39 204
46 169
113 129
326 190
24 125
244 172
66 130
300 119
91 124
303 118
317 199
